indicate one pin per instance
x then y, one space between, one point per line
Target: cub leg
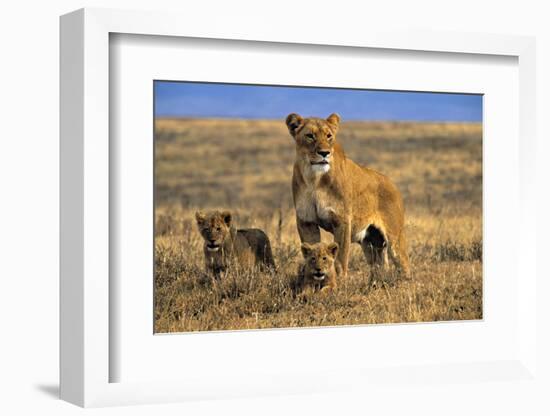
330 285
327 289
267 256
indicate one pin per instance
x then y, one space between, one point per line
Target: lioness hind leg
377 258
370 255
400 257
375 249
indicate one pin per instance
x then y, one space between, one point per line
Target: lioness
354 203
226 247
318 272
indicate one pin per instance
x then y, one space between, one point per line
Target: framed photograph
250 227
285 213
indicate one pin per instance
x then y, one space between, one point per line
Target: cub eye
329 136
324 258
310 136
218 229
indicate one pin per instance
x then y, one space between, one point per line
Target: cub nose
323 153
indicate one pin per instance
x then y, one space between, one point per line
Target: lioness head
315 139
214 227
319 259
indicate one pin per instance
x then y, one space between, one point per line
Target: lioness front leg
309 232
342 236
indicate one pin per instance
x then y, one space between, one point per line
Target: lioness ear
306 249
334 121
294 122
200 217
226 215
333 249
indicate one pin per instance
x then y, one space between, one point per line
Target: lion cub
226 247
319 270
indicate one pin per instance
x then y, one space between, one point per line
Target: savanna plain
245 166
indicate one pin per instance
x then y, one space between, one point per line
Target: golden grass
246 165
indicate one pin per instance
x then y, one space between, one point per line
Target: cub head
319 259
315 139
214 227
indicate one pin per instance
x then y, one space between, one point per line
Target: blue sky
187 99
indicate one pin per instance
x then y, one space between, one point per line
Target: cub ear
294 122
334 121
306 249
226 216
333 249
200 217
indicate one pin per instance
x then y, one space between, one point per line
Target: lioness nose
323 153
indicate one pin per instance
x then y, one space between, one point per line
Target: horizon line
183 117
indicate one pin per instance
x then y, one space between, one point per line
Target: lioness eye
324 258
329 136
218 228
310 136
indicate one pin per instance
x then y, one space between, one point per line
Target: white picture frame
86 356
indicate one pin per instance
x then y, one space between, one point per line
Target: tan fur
354 203
319 260
226 248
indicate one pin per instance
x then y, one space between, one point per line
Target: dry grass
246 165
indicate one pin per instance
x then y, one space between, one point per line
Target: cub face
214 227
315 139
319 260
